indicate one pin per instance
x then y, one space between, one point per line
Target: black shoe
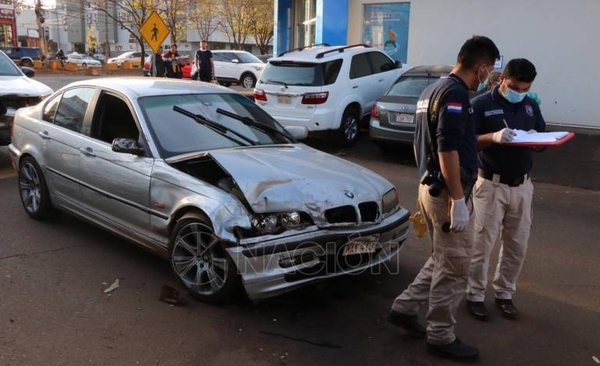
410 323
507 308
455 351
478 310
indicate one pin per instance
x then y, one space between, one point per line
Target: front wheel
84 65
347 134
248 81
200 261
27 63
33 190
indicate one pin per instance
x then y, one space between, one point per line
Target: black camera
435 181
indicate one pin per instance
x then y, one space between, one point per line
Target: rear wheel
200 261
27 63
248 81
347 134
33 190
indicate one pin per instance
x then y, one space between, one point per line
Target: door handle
44 135
87 151
380 80
354 86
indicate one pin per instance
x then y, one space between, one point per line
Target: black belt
504 179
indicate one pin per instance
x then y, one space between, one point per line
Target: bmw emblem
348 194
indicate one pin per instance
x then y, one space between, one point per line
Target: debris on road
112 287
596 360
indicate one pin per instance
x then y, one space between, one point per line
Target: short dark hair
477 50
520 69
173 44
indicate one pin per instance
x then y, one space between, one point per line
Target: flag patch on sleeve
454 107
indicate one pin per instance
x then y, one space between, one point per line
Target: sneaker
455 351
410 323
478 310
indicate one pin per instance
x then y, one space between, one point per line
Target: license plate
362 245
404 118
284 99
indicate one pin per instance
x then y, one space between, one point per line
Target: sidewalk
574 164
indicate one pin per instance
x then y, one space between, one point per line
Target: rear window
411 86
301 73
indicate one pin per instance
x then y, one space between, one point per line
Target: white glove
503 136
459 215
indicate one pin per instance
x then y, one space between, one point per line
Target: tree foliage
174 12
202 17
261 24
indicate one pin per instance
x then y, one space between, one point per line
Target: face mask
483 84
512 96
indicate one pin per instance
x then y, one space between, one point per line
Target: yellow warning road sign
154 30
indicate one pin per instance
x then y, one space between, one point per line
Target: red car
148 65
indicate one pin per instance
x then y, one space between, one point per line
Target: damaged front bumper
282 263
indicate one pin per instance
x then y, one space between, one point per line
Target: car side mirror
297 132
398 64
235 61
28 71
127 146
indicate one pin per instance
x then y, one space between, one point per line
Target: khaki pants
501 212
443 278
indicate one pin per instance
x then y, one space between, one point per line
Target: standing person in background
205 66
173 63
503 193
446 154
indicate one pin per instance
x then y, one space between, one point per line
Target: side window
113 119
227 56
72 108
381 63
50 109
360 66
330 71
217 56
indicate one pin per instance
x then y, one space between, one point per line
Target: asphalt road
53 309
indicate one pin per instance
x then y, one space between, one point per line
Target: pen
506 124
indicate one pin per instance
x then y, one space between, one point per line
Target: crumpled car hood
22 86
297 177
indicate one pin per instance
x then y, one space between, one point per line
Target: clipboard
540 139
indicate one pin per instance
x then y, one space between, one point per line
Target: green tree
262 23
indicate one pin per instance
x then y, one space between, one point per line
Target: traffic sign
154 30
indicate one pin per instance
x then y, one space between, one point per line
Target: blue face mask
483 84
512 96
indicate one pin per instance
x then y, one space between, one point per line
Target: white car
17 90
236 67
135 57
82 60
329 88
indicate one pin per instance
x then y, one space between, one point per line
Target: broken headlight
272 223
389 201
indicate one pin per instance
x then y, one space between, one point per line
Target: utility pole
106 44
39 14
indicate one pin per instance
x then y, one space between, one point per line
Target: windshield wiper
250 122
218 128
269 81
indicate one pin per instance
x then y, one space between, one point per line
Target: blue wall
282 38
334 25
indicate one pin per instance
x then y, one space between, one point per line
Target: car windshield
7 67
176 134
292 73
248 58
411 86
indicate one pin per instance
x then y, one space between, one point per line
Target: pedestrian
503 193
446 155
173 63
205 65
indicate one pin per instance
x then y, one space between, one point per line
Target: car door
224 66
116 185
62 138
385 69
363 81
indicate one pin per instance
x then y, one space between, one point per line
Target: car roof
318 53
429 70
140 86
235 51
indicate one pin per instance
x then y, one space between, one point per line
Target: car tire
225 84
27 63
33 190
347 134
248 81
200 262
84 65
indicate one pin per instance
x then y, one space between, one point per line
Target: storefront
8 27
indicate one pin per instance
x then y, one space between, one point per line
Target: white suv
236 67
326 88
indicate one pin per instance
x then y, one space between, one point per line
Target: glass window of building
306 22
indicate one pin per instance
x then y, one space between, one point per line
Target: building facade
558 39
8 25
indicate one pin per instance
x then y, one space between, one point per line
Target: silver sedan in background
200 175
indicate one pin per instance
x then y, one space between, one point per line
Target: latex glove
503 136
459 215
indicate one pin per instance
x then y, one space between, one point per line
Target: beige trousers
442 280
501 212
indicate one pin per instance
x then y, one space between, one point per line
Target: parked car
135 57
264 58
82 60
24 56
234 67
393 116
100 57
329 88
17 90
201 176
